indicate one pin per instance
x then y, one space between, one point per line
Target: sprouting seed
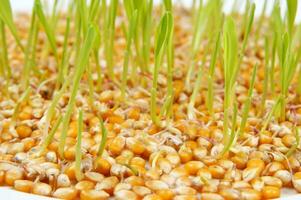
103 142
78 154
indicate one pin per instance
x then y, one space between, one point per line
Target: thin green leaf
103 142
127 53
50 136
292 6
7 17
162 36
79 70
78 153
247 103
48 30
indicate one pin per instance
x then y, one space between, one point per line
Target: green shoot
4 55
48 30
233 136
50 136
78 154
199 29
270 115
296 145
30 48
21 100
162 37
127 53
94 10
167 106
109 35
247 104
63 65
7 17
147 27
51 110
266 73
79 70
103 142
211 73
288 64
230 67
247 31
274 48
292 6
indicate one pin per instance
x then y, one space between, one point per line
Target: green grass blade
48 30
247 104
292 6
103 142
163 33
233 136
211 73
63 64
7 17
79 70
127 53
50 136
78 153
4 53
110 36
270 115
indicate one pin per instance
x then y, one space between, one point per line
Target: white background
26 5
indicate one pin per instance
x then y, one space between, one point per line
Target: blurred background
26 5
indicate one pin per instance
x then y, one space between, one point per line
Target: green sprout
167 106
211 73
6 71
50 136
103 142
79 70
266 74
7 17
78 154
269 116
292 6
64 64
47 27
288 64
230 67
199 29
162 37
233 135
247 104
127 53
31 48
109 35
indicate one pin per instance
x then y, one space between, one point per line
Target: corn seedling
233 135
113 99
230 45
110 36
30 48
130 35
78 154
210 95
247 104
50 136
48 29
7 17
163 34
80 68
167 106
103 141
